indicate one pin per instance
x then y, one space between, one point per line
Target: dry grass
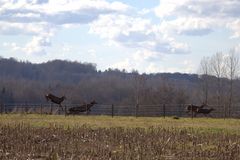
201 124
101 137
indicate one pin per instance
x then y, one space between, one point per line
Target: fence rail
160 110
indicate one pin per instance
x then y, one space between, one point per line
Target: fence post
164 110
180 110
26 109
136 111
192 111
51 108
65 110
86 109
1 108
23 109
224 106
41 109
4 111
112 110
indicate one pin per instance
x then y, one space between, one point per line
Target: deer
82 108
194 108
205 111
55 99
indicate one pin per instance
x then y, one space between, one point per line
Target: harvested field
57 137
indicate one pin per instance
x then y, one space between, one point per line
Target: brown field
102 137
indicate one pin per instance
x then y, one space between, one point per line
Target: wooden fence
161 110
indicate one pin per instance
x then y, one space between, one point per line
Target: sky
146 35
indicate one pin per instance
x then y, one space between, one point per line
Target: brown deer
82 108
55 99
194 108
204 111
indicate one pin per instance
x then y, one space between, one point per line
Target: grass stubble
101 137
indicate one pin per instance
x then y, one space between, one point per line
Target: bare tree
204 71
218 69
181 96
165 91
139 87
232 66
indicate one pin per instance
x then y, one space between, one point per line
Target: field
101 137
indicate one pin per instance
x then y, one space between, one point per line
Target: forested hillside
25 82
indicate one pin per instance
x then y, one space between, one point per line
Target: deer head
93 102
47 98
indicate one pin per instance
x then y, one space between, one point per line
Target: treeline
25 82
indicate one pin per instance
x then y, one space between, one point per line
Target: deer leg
61 106
195 114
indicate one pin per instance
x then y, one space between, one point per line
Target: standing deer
55 99
82 108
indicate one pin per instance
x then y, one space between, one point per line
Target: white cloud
112 21
152 68
143 61
125 64
148 41
58 12
41 18
235 27
145 55
37 45
199 17
12 45
203 8
188 26
168 7
137 33
114 26
155 68
8 28
188 66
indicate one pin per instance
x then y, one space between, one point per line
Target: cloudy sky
150 36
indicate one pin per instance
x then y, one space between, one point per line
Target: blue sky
148 36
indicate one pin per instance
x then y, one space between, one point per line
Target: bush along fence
161 110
